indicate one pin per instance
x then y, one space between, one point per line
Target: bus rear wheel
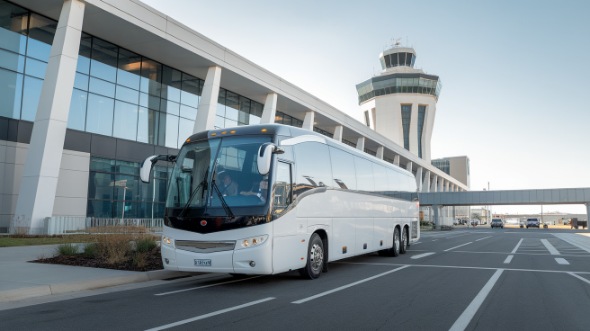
404 241
395 250
315 258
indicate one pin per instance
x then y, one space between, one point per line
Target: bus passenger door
289 231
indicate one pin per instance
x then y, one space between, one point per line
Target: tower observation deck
400 102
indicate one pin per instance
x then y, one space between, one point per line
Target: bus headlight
251 242
167 241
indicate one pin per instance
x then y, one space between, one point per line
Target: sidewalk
20 279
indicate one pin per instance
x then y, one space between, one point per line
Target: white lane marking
446 250
434 239
419 256
482 238
550 247
579 277
517 245
463 321
581 242
347 286
219 312
205 286
561 260
508 259
470 268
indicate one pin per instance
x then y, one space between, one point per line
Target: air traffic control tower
400 103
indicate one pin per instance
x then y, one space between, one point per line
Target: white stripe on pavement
517 245
579 277
205 286
561 260
463 321
419 256
482 238
446 250
349 285
215 313
550 247
508 259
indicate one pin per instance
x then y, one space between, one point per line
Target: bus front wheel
315 258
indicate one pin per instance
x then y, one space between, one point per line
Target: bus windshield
219 173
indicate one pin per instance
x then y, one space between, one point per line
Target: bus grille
205 246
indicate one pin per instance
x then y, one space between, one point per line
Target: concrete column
41 171
380 150
396 160
441 183
270 109
308 120
447 183
360 144
409 166
338 130
426 183
419 178
434 187
436 216
209 99
588 215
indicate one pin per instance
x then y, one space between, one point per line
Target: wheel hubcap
316 257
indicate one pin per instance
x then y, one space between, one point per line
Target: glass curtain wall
114 190
406 119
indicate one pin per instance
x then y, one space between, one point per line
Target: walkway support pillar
38 186
270 109
209 98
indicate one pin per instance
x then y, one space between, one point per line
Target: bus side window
281 192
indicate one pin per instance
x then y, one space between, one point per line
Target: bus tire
315 258
393 251
403 248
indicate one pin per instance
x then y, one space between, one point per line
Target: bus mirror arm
264 156
148 164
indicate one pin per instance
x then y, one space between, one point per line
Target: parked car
533 222
497 223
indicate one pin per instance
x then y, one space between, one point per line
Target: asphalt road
473 279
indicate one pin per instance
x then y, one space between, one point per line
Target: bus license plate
202 263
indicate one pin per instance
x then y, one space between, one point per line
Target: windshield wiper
203 184
222 199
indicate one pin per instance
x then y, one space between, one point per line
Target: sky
515 74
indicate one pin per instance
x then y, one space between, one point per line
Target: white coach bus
266 199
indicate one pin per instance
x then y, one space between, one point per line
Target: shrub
91 250
145 244
113 248
67 249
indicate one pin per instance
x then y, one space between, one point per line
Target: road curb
62 288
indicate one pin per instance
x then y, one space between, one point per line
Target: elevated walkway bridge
562 196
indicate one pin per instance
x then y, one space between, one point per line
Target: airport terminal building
90 88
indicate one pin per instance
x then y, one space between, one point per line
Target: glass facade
324 132
404 59
442 164
398 83
282 118
406 119
421 115
114 190
117 93
235 110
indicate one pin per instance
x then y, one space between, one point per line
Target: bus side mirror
148 164
265 157
146 168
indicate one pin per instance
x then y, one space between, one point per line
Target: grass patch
67 249
12 241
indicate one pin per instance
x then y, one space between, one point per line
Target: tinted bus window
313 166
364 174
381 178
342 169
